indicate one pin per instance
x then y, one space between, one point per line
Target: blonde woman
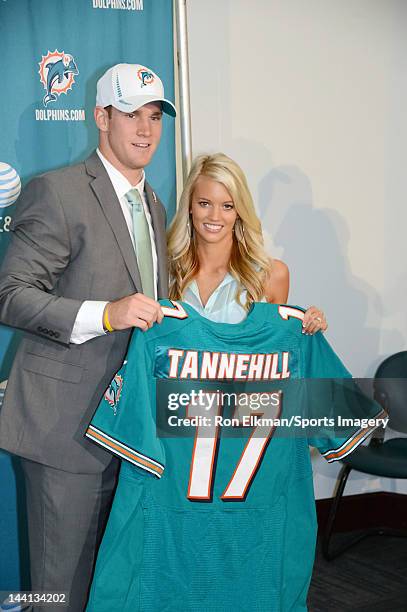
215 245
177 542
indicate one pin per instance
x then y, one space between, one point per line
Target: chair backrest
390 389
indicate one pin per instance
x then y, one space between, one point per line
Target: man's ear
101 118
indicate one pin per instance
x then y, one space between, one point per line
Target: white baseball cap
127 87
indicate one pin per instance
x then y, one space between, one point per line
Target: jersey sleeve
341 415
124 422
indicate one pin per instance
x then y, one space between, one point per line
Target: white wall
311 99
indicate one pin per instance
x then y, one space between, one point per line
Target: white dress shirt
89 320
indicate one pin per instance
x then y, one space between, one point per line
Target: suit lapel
158 221
106 195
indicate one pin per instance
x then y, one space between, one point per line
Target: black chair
379 457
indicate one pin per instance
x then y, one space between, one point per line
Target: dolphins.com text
125 5
60 114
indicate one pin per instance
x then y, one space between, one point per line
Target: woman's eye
203 203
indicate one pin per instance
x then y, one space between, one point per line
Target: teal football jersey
207 516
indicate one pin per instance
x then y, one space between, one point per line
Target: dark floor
370 577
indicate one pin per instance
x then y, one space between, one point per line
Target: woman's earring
189 227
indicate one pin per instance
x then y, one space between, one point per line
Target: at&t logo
10 185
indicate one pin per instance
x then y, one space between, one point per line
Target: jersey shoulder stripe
176 311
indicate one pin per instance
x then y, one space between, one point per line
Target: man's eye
156 118
131 115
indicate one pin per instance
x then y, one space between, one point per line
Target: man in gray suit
86 263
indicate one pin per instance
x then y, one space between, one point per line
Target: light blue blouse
221 306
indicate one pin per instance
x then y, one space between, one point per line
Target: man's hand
135 310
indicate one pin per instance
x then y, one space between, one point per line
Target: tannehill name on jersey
230 366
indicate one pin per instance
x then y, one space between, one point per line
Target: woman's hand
314 320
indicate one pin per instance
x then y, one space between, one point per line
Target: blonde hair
249 263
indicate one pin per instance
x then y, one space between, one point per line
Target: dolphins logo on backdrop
146 77
113 392
57 73
10 185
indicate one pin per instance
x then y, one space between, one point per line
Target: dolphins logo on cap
146 77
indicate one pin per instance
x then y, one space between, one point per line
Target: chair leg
329 554
326 538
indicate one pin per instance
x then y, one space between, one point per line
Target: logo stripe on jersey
124 452
351 443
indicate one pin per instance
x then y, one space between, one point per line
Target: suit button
57 334
45 330
50 332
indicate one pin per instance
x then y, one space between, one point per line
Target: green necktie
142 242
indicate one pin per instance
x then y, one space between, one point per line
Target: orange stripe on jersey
353 442
123 452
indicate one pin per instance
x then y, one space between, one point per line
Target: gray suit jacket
69 243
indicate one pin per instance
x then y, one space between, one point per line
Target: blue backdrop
47 124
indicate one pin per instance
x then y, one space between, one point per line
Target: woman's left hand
314 321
